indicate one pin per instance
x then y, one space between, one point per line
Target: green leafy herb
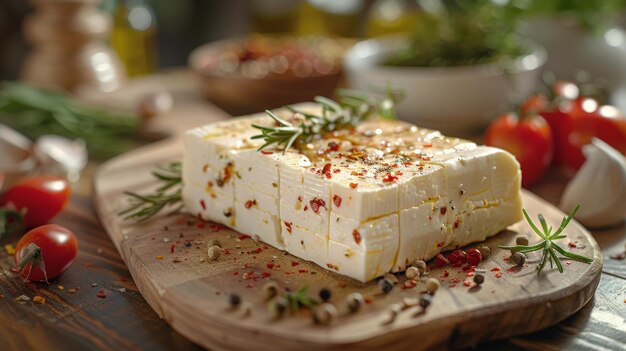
351 108
547 245
35 112
169 193
300 299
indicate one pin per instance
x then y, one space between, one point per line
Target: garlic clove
599 187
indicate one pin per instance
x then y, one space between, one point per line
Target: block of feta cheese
360 201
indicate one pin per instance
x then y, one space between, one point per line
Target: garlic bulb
599 187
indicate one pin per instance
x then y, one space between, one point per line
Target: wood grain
190 294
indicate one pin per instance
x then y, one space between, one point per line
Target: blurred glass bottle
392 17
331 17
134 36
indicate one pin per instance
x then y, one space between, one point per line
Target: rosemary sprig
351 108
300 299
549 247
169 193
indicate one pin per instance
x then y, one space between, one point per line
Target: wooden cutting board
167 259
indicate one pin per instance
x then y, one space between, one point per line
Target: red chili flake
409 284
470 274
467 282
265 274
288 226
235 273
425 158
445 274
389 178
498 275
368 300
357 236
333 146
294 263
270 265
205 168
572 245
264 152
456 256
353 185
428 145
258 250
326 171
395 165
454 280
300 198
101 294
457 223
200 225
306 208
443 210
244 237
249 286
226 251
172 248
441 260
337 200
250 203
302 271
495 269
316 204
513 269
203 204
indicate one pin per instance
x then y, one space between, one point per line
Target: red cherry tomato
473 257
42 197
45 252
534 104
529 139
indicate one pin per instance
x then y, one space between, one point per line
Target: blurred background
458 64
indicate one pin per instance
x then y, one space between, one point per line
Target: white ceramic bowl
458 100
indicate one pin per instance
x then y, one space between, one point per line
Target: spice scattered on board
10 250
39 300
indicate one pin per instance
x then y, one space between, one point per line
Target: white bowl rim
353 59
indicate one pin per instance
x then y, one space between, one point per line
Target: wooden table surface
80 320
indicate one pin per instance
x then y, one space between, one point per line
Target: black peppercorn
425 300
519 259
234 300
385 285
479 279
325 294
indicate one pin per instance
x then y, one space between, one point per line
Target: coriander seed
215 242
214 252
412 273
385 285
519 259
270 290
420 265
324 294
485 251
479 279
432 285
324 314
521 240
354 302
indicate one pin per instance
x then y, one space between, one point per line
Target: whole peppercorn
432 285
385 285
425 300
521 240
270 289
421 265
324 294
473 257
234 300
214 242
214 252
277 307
412 273
519 259
354 302
324 314
485 251
479 279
